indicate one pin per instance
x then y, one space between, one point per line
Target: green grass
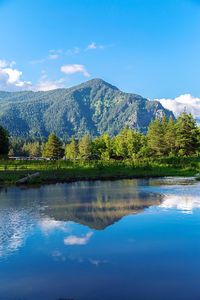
65 171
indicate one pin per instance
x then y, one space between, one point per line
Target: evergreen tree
16 146
155 138
170 137
53 148
144 149
36 149
107 152
71 150
85 147
186 134
4 142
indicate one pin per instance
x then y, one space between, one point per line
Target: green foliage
186 135
53 148
62 171
156 138
165 138
170 137
128 143
102 147
32 149
85 148
71 150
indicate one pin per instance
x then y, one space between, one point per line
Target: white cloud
10 77
94 46
75 240
45 84
48 85
183 102
75 68
5 64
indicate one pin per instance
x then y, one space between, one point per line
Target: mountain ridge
93 107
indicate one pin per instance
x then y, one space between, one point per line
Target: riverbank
68 171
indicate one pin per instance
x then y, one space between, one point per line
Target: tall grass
53 171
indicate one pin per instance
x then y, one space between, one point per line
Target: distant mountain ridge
92 107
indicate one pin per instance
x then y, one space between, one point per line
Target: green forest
164 138
170 148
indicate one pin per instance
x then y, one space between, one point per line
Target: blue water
126 239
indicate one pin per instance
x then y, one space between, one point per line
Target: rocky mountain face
93 107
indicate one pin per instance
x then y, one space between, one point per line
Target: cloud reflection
48 225
75 240
183 203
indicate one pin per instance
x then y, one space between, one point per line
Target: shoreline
9 178
71 171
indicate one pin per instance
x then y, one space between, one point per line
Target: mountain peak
98 83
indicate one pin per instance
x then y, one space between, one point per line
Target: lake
125 239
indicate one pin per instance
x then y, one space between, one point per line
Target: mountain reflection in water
96 205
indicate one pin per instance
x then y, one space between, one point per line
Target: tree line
180 137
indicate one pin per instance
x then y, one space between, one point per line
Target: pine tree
35 150
186 134
170 137
85 147
53 148
107 152
71 150
155 138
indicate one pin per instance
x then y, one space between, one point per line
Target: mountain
94 106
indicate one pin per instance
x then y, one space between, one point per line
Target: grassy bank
66 171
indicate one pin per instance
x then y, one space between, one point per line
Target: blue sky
150 47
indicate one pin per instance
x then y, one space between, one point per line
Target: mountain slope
94 106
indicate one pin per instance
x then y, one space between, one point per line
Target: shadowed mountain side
92 107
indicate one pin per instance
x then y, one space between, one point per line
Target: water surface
126 239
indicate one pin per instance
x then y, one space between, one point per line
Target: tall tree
4 142
32 149
170 137
120 144
71 150
155 138
134 142
85 147
53 148
186 134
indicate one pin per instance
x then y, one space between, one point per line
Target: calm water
130 239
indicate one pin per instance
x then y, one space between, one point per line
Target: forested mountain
92 107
